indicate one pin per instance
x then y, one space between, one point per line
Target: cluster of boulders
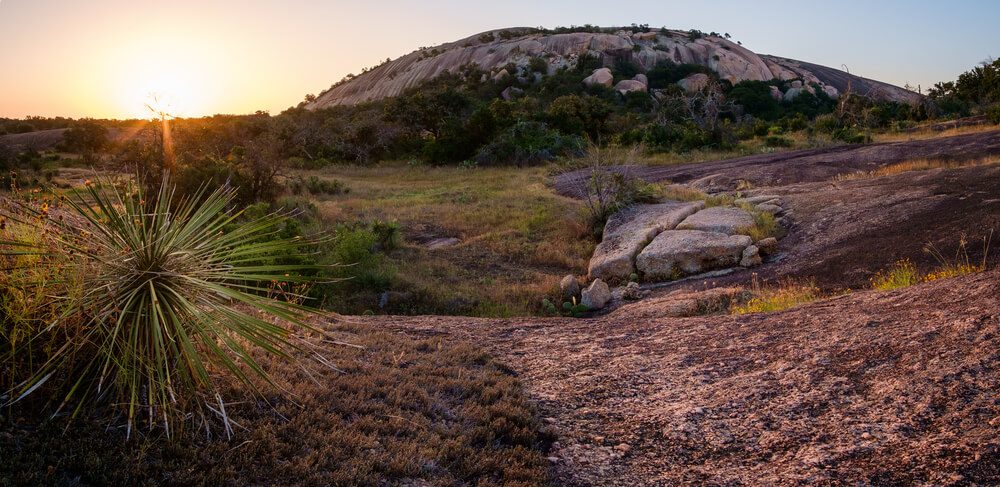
696 83
603 77
670 240
595 296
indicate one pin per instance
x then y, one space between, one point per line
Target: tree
86 137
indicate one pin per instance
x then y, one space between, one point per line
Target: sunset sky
101 58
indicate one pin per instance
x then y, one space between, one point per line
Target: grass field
516 237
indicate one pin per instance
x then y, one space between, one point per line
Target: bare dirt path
802 166
868 388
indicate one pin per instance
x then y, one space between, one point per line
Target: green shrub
388 235
538 65
528 143
142 299
902 274
316 186
776 141
851 136
993 113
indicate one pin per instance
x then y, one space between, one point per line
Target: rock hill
494 50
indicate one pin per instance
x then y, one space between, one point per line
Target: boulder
628 231
767 246
831 92
642 79
632 292
596 296
501 75
511 92
777 94
750 257
722 219
601 76
629 85
797 84
569 286
694 83
676 253
645 36
793 93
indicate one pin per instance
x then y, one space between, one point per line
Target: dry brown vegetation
923 164
403 411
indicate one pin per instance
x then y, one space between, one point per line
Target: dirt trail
869 388
802 166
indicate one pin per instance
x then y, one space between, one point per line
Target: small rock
642 79
552 459
772 209
440 243
751 257
767 246
632 291
596 296
623 447
569 286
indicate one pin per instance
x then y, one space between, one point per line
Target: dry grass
784 295
918 165
517 236
404 412
925 132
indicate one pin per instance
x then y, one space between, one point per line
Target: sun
164 88
168 77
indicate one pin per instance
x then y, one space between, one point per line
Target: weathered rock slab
676 253
722 219
628 231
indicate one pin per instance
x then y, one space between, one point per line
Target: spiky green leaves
165 294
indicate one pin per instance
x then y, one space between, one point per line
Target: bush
608 189
902 274
993 113
316 186
136 299
538 65
776 141
767 299
851 136
528 143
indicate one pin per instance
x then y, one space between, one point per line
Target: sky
103 58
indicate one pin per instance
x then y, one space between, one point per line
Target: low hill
493 51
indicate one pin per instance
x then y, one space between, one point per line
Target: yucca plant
155 297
